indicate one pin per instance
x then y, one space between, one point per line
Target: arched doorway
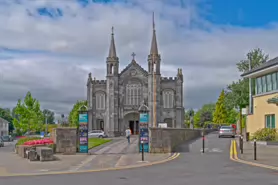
131 120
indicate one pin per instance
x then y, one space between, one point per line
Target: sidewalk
266 154
117 154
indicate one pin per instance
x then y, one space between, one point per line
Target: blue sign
144 118
83 118
83 132
83 149
42 134
144 132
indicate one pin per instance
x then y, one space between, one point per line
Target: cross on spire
133 56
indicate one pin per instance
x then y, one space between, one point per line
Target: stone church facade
114 102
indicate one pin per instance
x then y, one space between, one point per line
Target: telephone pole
154 92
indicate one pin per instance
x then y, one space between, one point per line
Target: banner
83 132
144 131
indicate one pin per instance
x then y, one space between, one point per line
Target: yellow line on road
174 156
234 157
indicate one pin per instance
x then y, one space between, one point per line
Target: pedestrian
127 134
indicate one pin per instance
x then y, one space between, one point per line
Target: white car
97 133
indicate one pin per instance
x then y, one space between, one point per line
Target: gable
133 69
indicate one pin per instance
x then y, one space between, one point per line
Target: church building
113 103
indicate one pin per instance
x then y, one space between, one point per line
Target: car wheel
100 136
219 136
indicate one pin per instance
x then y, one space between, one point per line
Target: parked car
97 133
1 142
6 138
226 131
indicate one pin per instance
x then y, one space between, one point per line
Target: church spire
154 49
112 49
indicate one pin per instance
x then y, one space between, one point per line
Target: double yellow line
234 157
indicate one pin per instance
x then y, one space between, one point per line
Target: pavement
267 155
214 167
115 154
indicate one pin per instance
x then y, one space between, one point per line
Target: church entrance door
132 121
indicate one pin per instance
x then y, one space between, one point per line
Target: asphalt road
192 168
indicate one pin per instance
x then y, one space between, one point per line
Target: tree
49 116
202 115
237 94
220 114
30 116
73 116
256 57
6 114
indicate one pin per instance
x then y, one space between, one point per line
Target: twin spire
153 51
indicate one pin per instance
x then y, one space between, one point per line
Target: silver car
97 133
226 131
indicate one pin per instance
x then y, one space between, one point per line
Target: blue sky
249 13
49 47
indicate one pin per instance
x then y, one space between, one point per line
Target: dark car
6 138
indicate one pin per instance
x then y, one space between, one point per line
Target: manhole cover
122 178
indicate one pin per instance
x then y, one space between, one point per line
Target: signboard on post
83 132
144 132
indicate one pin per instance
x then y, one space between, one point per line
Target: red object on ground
39 142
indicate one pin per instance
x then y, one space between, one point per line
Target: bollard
142 145
241 147
255 149
203 143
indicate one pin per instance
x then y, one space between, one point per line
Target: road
192 168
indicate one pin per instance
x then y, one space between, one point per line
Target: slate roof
265 65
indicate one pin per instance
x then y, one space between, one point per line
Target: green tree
73 116
49 116
237 94
220 114
6 114
30 117
203 115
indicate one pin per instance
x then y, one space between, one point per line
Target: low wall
65 139
165 140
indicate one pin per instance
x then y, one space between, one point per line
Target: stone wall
65 140
165 140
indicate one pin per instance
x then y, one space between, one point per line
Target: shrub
21 141
265 134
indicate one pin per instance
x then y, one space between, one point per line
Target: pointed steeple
154 49
112 49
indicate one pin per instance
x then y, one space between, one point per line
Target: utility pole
46 125
154 92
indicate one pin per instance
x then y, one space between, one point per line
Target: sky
48 47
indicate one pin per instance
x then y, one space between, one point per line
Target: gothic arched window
168 99
133 94
100 101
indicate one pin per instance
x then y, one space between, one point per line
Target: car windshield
6 137
226 127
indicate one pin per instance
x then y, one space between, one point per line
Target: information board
144 131
83 132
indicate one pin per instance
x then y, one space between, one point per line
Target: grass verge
93 142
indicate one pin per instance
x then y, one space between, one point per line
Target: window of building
259 85
100 101
168 99
270 121
269 83
264 84
133 94
274 81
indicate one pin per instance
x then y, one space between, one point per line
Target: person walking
127 134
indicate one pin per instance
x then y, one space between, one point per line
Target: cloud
51 56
